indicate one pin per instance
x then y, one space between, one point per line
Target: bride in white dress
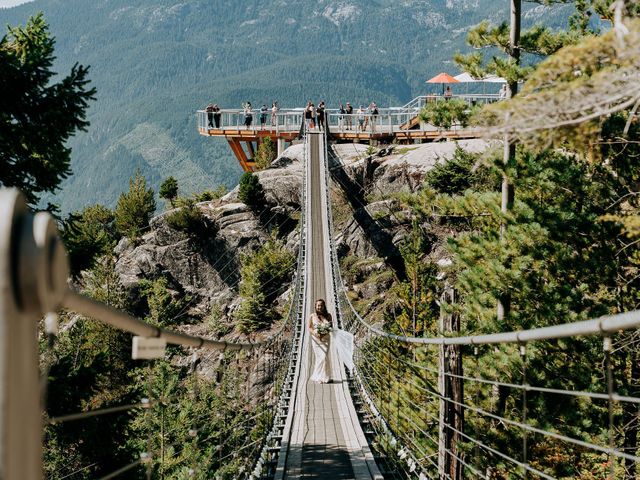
320 325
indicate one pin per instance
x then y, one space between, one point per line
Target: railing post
451 415
33 272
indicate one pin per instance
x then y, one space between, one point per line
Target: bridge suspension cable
427 422
33 277
411 405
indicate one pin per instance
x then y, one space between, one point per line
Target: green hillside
154 62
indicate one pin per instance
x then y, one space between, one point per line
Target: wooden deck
244 141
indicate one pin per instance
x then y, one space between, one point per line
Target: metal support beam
33 279
238 151
252 152
281 146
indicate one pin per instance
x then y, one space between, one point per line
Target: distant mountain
154 62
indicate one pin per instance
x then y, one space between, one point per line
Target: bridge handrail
123 321
600 325
58 294
487 97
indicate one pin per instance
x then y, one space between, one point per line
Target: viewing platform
393 124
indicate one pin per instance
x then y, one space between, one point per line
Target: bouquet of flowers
323 328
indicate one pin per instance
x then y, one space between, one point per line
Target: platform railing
230 119
388 120
470 98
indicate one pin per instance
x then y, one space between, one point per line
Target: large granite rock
369 181
282 181
207 268
404 169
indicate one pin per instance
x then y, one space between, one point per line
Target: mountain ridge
154 62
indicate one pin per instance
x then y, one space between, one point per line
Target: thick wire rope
94 413
610 450
122 470
532 388
478 443
539 431
80 470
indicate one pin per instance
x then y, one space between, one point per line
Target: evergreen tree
189 218
37 116
445 114
135 207
265 154
164 309
414 310
462 171
265 274
92 364
169 190
87 235
208 195
251 192
603 135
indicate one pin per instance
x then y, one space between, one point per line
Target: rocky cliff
371 223
369 226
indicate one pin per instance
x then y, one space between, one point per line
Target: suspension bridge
411 407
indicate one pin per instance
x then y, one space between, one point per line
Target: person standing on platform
314 116
308 115
320 325
263 115
349 117
216 115
341 113
373 110
274 114
320 115
361 119
209 111
448 93
248 115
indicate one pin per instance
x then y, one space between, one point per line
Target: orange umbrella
442 78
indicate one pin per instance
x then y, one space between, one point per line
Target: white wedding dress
322 366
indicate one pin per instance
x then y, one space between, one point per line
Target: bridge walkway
326 439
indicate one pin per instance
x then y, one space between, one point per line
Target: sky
12 3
